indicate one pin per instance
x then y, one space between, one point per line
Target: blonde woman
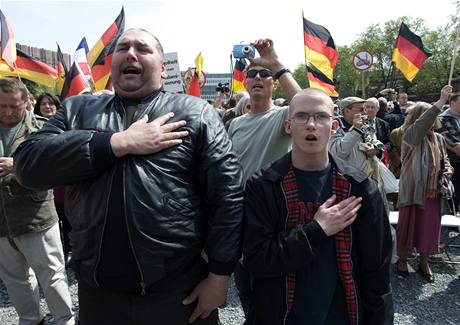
423 157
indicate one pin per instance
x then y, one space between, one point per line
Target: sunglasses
264 73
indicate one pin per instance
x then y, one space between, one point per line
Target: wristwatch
277 75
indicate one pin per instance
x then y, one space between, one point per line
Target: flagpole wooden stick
362 85
390 71
454 56
305 54
17 72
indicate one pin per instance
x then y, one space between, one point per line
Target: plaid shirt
451 133
299 214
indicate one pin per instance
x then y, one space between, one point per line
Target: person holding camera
259 137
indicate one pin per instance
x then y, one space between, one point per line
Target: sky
211 27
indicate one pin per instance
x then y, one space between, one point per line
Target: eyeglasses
263 73
303 118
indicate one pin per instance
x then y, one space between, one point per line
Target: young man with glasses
258 137
29 232
317 239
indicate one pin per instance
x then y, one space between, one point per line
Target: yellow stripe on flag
320 62
37 77
407 68
94 52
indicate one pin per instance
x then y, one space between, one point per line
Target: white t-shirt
259 139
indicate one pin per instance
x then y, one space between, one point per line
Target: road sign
362 61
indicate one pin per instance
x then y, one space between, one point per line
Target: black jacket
177 201
270 251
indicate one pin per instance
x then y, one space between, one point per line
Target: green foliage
300 75
379 39
34 88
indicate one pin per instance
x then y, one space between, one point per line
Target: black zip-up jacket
271 251
177 201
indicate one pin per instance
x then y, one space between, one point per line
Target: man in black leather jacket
153 182
317 236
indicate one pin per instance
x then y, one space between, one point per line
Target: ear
164 75
287 126
275 85
335 125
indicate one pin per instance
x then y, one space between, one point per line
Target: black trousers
243 283
162 307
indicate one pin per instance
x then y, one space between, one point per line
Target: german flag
238 76
320 51
194 87
100 56
320 81
8 43
75 83
61 70
30 68
409 53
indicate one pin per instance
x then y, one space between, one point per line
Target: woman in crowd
424 159
47 105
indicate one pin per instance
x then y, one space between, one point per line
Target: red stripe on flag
109 34
238 75
194 88
29 63
318 45
411 52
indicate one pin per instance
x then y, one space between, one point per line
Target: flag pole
390 71
17 72
454 56
305 53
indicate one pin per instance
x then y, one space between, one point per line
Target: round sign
362 61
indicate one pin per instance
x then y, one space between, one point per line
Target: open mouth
311 137
257 87
131 70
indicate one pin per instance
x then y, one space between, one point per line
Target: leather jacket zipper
141 283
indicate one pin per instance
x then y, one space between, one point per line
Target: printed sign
173 81
362 61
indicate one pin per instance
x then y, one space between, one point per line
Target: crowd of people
160 197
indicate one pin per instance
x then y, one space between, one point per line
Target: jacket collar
278 169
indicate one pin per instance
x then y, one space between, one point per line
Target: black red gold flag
100 55
238 76
75 83
320 81
320 51
30 68
61 69
8 43
409 53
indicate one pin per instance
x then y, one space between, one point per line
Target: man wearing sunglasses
317 239
258 137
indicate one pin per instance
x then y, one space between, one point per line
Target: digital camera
242 51
223 87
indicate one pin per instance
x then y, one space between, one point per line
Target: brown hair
13 86
416 112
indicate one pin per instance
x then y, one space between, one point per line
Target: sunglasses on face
264 73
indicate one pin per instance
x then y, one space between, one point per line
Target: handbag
390 182
446 188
